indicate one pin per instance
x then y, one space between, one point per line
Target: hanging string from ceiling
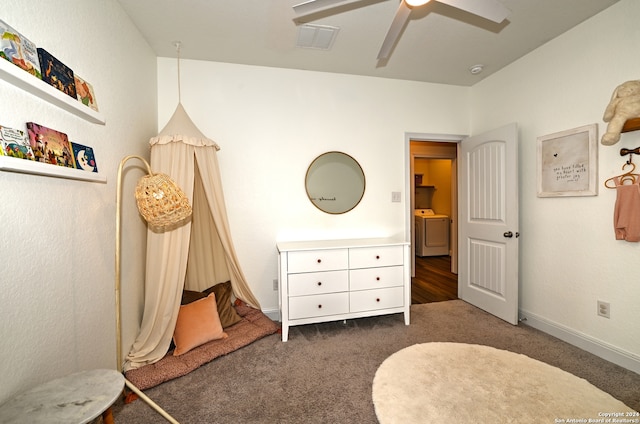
177 44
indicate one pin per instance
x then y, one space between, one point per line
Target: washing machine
432 233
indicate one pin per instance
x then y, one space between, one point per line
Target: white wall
57 235
271 123
569 256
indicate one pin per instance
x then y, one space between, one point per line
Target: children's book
53 145
84 157
19 50
15 144
85 93
56 73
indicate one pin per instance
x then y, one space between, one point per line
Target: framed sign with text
568 163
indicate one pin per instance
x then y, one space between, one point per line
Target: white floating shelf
38 168
24 80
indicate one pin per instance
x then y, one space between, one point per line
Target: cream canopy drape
194 256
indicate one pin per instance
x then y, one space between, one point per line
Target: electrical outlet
604 309
395 196
275 284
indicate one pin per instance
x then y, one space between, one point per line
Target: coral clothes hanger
628 176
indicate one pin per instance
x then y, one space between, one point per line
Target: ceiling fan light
416 3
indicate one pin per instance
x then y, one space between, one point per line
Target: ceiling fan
488 9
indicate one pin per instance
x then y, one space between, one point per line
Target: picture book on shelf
15 144
84 157
52 145
56 73
85 93
19 50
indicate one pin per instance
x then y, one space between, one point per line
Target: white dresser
332 280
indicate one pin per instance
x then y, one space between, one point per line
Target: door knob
508 234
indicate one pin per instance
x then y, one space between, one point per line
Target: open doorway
434 211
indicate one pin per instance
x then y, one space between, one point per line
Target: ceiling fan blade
311 7
488 9
399 21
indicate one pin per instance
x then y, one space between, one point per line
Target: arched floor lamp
163 205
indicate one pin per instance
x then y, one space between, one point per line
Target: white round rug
463 383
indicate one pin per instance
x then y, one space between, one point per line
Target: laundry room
432 196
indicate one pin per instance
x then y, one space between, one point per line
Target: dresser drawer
317 260
376 278
318 282
319 305
369 300
367 257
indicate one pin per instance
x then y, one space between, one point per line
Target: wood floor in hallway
434 281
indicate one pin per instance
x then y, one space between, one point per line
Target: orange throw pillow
198 323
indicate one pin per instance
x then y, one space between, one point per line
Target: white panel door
488 232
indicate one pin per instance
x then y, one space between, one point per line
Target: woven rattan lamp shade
160 201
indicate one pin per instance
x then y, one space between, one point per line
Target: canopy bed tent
194 256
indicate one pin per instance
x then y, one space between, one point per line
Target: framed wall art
568 163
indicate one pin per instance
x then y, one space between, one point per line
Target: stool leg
107 416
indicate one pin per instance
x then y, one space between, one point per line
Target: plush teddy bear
624 105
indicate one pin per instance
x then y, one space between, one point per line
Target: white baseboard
273 314
599 348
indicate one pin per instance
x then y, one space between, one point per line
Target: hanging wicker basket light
160 201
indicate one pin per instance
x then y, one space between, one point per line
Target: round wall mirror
335 182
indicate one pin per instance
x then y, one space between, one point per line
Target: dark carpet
324 373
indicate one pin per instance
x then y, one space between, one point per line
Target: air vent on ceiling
316 36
